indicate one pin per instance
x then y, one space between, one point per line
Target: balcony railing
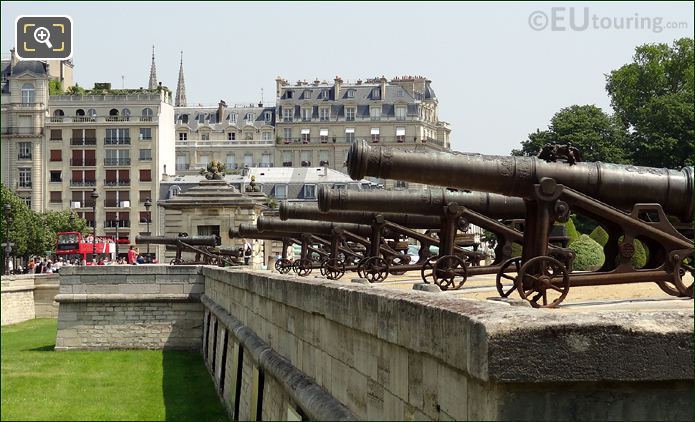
83 141
24 157
22 130
101 119
23 185
117 204
117 141
117 118
146 158
54 180
121 182
57 139
116 161
83 162
287 163
79 183
76 203
116 223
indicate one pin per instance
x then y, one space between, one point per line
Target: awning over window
375 131
400 131
349 130
323 132
305 131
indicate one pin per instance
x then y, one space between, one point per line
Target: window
287 134
267 135
400 184
231 161
250 117
309 191
146 175
351 93
306 136
375 112
183 136
117 157
145 133
232 118
400 134
323 158
399 93
56 176
306 114
24 177
350 114
145 155
56 155
181 162
287 158
126 114
287 114
375 134
56 197
24 151
248 160
307 94
305 158
289 94
26 201
147 115
323 136
248 135
349 135
92 114
145 216
205 136
209 231
376 93
266 160
268 117
281 191
231 136
117 136
56 135
325 94
144 194
324 114
26 125
204 159
400 113
28 94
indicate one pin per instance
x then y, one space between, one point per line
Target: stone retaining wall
28 296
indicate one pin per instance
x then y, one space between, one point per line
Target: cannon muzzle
172 240
615 184
291 211
309 226
427 202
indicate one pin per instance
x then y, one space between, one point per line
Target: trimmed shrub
639 259
516 249
589 254
572 232
599 235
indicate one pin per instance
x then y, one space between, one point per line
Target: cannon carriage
650 204
205 249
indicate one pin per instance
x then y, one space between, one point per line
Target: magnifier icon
42 36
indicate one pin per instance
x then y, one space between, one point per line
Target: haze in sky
500 71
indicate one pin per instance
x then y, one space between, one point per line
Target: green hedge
639 259
599 235
589 254
572 232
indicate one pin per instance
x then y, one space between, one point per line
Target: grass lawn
39 383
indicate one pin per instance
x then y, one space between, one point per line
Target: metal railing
120 182
116 204
24 156
24 185
101 119
116 161
409 139
83 141
84 162
82 204
79 183
146 158
22 130
116 223
117 141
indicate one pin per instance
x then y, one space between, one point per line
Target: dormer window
375 94
288 94
307 94
324 94
232 117
268 116
249 118
351 93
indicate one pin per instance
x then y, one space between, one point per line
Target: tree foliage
653 97
571 231
597 135
55 87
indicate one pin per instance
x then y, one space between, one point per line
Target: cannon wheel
541 275
333 268
449 271
361 267
399 260
283 266
503 290
683 275
374 269
302 267
427 270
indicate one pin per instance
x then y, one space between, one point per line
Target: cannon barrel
309 226
290 211
429 202
615 184
250 231
172 240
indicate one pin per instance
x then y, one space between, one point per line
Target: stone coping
144 269
492 341
141 297
311 397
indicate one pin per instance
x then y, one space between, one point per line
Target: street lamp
94 196
148 204
8 248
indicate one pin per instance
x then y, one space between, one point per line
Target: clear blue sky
496 78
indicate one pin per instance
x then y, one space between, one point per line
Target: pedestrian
290 253
248 252
132 256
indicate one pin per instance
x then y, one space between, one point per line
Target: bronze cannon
202 246
630 202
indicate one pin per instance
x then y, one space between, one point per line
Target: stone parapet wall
28 296
124 307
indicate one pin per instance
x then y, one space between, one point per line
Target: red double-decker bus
72 246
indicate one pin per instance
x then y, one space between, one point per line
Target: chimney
336 87
279 83
220 111
316 82
382 86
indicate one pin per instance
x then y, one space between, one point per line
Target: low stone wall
152 306
390 354
28 296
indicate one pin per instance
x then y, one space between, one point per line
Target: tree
653 97
76 90
22 222
59 221
597 135
55 87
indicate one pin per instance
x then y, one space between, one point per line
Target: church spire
153 73
180 100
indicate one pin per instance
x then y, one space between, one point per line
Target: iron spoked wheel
375 269
505 289
399 260
683 276
302 267
360 267
333 268
427 270
283 266
449 271
543 281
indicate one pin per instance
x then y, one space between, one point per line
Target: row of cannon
368 231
